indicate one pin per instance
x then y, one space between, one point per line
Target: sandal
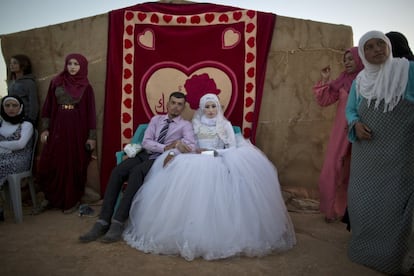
40 209
330 220
86 211
71 210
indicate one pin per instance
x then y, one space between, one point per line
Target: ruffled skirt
211 207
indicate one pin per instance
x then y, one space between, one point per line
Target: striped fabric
163 132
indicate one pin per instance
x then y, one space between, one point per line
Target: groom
168 132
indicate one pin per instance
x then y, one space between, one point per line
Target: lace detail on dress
208 138
15 136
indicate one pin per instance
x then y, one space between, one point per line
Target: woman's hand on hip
91 143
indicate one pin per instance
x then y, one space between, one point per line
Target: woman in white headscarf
380 114
223 202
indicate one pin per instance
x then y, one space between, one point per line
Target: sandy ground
47 244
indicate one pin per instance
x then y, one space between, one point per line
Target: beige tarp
293 130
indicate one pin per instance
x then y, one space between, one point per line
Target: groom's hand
171 145
183 148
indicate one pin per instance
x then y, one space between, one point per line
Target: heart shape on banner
164 78
231 38
146 39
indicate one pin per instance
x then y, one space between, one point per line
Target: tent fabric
157 48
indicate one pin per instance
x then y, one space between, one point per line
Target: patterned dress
381 189
15 161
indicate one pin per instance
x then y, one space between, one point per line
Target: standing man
168 132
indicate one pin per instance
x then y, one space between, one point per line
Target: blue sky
362 16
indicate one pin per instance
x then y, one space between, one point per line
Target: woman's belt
67 106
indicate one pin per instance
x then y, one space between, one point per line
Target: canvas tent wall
292 130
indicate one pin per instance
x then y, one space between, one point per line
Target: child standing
334 177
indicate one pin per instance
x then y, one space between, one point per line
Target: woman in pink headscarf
68 135
333 180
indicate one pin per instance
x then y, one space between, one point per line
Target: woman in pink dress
333 180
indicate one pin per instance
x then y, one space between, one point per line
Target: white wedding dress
211 207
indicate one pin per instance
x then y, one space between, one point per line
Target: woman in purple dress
68 135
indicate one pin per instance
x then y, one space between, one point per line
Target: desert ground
47 244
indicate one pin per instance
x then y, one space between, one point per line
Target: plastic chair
14 182
137 139
237 130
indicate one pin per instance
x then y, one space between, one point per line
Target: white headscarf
219 121
385 81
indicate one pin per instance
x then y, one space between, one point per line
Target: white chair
15 185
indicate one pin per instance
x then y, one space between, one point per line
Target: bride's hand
200 150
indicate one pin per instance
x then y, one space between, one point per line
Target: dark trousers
132 170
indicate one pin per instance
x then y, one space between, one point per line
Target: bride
225 201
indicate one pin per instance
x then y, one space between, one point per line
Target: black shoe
114 233
97 230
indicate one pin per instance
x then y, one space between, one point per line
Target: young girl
333 180
68 135
22 84
223 202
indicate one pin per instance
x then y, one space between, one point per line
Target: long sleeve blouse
8 129
354 101
325 95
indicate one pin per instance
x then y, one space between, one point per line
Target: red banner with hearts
157 48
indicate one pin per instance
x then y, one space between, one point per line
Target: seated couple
196 205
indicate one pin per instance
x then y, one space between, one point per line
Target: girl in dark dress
68 135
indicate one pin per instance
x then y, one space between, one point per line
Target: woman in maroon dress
68 135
